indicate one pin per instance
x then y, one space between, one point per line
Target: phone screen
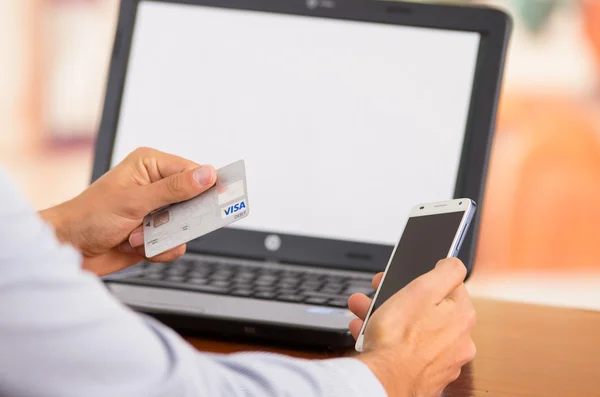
426 240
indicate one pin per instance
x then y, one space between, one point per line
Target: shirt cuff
359 380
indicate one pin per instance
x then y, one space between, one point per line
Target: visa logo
234 208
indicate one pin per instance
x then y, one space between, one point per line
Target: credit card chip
160 219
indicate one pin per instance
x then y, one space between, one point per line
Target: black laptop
347 113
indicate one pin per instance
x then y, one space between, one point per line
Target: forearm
75 350
60 324
78 340
260 374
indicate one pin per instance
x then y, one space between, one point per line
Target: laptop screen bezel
494 28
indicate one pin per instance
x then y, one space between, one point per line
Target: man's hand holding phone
418 340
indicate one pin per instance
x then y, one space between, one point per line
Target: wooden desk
522 350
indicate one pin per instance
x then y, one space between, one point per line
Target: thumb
178 187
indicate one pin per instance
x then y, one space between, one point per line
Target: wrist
58 218
387 373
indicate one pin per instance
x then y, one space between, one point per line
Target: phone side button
460 242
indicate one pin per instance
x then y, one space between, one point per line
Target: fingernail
204 175
136 239
126 248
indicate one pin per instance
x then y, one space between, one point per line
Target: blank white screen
344 125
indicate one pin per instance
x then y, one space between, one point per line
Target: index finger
158 165
447 275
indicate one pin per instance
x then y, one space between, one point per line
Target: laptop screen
344 125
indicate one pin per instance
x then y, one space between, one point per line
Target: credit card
219 206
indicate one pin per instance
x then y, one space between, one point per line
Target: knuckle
471 351
174 186
454 375
419 286
424 289
134 207
142 151
471 318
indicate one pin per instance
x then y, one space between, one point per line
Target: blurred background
539 239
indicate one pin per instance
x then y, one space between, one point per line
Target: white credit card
221 205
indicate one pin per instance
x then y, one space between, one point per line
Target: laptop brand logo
312 4
272 242
232 209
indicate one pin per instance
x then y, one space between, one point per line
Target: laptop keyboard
261 281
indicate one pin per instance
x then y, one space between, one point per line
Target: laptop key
314 277
326 296
178 266
155 267
311 286
264 282
223 273
265 288
359 283
331 290
289 280
269 272
290 297
197 273
291 273
362 290
241 292
198 280
286 289
264 294
201 266
244 279
316 300
266 277
242 285
175 278
175 271
338 303
153 276
336 280
220 283
207 288
330 284
245 275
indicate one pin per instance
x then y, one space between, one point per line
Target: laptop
346 113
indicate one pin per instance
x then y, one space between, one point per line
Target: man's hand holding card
221 205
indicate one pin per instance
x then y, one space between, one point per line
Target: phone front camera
422 207
460 203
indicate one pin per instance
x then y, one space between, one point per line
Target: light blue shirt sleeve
62 334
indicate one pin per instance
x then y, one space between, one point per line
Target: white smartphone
433 231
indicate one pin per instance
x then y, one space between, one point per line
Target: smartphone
433 231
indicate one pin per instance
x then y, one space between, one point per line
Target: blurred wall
543 198
542 203
53 65
13 56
